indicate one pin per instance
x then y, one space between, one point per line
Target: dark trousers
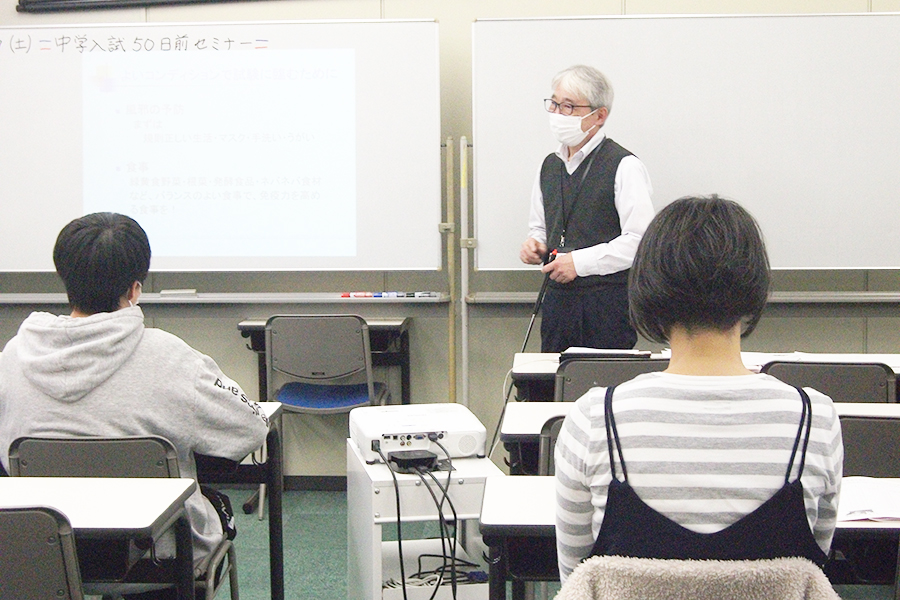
589 317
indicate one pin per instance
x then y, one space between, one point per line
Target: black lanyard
563 176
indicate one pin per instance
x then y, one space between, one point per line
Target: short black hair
99 257
702 265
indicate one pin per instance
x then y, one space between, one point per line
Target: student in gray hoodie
99 372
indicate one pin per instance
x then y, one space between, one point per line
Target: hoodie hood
67 357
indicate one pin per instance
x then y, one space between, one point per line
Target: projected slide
245 154
267 146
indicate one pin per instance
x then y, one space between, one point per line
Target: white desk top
536 363
272 410
888 410
517 500
503 504
527 418
131 505
755 360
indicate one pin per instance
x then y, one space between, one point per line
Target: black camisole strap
802 431
613 433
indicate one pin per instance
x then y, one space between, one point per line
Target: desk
520 430
522 421
388 339
522 535
534 373
270 473
115 509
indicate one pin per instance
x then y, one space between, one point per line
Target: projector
417 427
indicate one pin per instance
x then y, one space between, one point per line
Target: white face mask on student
567 128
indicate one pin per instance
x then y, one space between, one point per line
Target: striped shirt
703 451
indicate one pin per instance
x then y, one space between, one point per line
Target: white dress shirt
632 198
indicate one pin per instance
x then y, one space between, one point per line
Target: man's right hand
533 252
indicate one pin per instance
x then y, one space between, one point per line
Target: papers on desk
869 499
580 352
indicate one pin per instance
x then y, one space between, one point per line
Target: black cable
460 561
446 496
432 437
445 534
376 445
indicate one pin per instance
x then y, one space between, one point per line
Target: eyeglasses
564 108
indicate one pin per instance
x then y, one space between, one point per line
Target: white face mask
567 128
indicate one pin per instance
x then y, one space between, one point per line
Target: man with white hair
591 204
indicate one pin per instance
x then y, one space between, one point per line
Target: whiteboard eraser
184 292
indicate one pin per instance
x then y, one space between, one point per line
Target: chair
38 560
126 456
625 578
871 446
575 377
549 433
843 382
320 363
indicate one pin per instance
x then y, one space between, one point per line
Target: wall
315 446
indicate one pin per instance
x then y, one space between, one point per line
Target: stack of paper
869 499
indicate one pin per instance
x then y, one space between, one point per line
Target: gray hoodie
108 375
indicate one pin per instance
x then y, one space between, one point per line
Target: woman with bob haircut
705 460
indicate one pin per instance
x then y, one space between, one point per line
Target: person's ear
134 292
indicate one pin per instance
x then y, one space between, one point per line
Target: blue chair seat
317 397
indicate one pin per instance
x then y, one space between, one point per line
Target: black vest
583 205
777 529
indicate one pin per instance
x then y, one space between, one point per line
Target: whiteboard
795 117
237 146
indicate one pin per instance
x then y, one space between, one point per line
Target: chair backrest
575 377
38 559
626 578
871 446
129 456
549 433
318 349
843 382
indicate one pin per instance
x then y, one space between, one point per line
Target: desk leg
404 367
184 564
519 590
263 376
497 573
275 489
897 575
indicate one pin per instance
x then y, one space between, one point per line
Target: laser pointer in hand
548 258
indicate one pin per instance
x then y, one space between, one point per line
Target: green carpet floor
315 547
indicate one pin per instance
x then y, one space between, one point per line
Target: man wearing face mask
590 203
